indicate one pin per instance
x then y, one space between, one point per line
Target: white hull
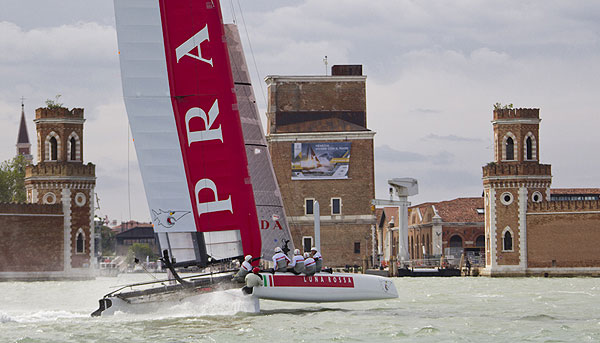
325 287
227 302
322 287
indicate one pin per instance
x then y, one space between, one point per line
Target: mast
274 229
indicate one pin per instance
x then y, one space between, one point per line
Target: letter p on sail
211 206
207 134
193 42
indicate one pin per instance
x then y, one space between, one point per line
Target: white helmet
297 252
306 255
313 249
248 258
277 249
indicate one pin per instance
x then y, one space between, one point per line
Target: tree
108 240
499 106
12 180
139 251
54 103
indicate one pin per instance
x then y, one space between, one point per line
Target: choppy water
429 310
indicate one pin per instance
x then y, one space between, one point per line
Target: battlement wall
60 169
21 208
515 113
564 206
501 169
59 112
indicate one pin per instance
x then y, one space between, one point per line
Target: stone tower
60 177
515 178
323 152
23 145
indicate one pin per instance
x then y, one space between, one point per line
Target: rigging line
233 12
251 51
128 178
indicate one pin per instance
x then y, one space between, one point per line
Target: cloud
81 43
434 70
425 111
452 138
387 154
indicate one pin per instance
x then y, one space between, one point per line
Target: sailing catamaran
206 169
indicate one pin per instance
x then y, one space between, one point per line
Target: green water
428 310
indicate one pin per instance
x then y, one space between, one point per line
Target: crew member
309 265
253 279
244 269
316 255
280 261
297 265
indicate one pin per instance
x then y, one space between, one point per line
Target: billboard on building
320 161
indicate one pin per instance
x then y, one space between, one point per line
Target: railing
446 262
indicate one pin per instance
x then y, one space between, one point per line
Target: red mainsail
207 120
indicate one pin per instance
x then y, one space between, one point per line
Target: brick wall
507 215
32 238
563 239
80 219
327 105
356 194
321 96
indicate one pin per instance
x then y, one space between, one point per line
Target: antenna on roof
325 61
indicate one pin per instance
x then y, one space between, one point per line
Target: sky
434 70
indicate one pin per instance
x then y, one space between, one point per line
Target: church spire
23 145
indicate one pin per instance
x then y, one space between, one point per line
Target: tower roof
23 137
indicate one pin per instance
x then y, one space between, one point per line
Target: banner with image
320 161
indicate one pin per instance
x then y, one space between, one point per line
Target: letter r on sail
207 134
195 41
211 206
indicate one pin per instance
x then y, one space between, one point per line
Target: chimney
346 70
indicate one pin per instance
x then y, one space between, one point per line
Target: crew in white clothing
244 269
253 279
316 255
297 265
309 265
280 261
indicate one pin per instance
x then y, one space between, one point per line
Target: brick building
528 229
386 234
322 151
449 228
23 145
137 234
52 235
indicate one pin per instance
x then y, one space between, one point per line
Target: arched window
417 254
456 242
74 147
80 249
509 146
480 241
73 151
530 147
53 149
510 149
507 240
